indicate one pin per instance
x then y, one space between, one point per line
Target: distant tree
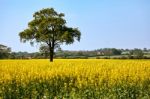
50 28
36 55
116 51
59 50
44 50
145 49
80 53
13 55
107 51
59 53
137 53
4 51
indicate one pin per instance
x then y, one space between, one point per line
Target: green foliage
136 53
44 50
4 51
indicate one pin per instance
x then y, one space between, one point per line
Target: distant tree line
103 53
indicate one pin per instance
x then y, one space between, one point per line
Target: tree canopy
49 27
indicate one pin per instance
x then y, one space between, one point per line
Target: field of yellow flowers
75 79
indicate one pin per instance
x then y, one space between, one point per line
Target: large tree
49 27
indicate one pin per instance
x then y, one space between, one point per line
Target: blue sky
103 23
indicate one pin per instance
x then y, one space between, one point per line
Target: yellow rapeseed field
75 79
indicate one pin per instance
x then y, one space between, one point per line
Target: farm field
75 79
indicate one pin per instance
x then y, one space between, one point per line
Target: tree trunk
51 54
51 49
